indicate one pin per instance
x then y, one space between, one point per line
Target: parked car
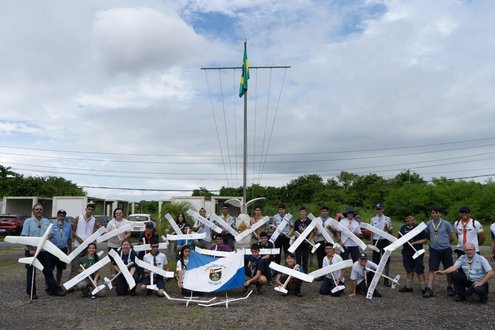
140 220
102 220
12 223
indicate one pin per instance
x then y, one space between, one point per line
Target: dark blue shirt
252 265
406 248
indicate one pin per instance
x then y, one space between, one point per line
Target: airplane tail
32 261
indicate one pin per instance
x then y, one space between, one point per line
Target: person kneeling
361 277
157 259
334 279
474 274
253 267
294 284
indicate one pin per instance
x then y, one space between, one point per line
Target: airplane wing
123 268
377 231
400 241
114 232
186 236
253 200
154 269
277 232
213 253
254 227
205 221
262 251
331 268
54 250
82 275
379 271
302 236
291 272
33 241
349 233
77 251
146 247
321 229
224 225
172 223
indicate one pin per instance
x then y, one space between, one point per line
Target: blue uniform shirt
32 228
475 269
439 235
60 236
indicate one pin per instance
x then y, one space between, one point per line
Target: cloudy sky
111 93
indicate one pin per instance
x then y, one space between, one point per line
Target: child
127 254
253 268
158 259
86 286
294 285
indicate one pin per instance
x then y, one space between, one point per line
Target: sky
112 93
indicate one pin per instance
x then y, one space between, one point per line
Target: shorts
413 265
437 256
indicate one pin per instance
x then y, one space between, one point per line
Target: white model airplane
404 239
87 273
378 273
108 281
191 299
154 270
378 232
114 232
263 252
417 253
251 230
283 288
349 233
41 243
291 272
394 280
280 227
146 247
330 269
179 234
224 225
302 237
238 203
77 251
123 268
204 221
226 301
325 234
213 253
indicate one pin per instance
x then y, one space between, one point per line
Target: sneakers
450 291
377 294
458 297
423 291
428 293
406 289
386 283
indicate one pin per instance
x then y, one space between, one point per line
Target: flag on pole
245 74
209 274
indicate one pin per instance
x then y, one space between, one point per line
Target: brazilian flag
245 74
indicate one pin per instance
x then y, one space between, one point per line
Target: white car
140 220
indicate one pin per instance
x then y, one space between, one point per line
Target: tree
202 191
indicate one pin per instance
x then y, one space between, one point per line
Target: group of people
468 275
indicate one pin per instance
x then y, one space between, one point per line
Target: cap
379 206
464 209
363 255
149 225
61 211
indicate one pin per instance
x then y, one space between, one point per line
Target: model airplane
283 288
291 272
226 301
280 227
404 239
204 221
213 253
114 232
154 270
77 251
330 269
378 273
41 243
417 253
190 299
146 247
87 273
123 268
302 237
394 280
349 233
263 252
325 234
108 281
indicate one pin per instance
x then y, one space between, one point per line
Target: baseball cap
379 206
149 225
464 209
363 255
61 211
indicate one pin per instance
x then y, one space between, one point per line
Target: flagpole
244 174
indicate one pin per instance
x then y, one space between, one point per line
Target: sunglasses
154 246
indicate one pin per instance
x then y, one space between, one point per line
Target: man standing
283 241
475 274
62 238
228 239
36 226
350 247
382 222
302 251
440 234
83 226
320 252
468 230
410 264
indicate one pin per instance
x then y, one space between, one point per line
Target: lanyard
436 229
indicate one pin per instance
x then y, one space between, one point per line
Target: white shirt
161 259
326 262
473 227
114 242
358 272
379 223
84 228
353 226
